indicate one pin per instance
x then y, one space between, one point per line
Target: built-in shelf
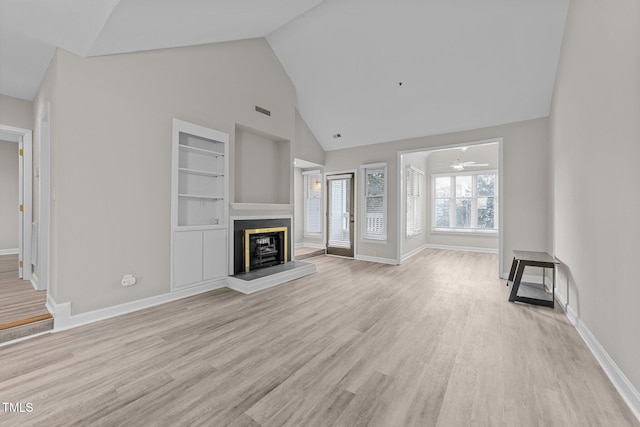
198 196
200 172
200 150
199 211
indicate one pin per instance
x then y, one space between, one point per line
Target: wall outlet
375 253
128 280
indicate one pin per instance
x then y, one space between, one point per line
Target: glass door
340 217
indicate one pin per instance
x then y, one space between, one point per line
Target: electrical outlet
375 253
128 280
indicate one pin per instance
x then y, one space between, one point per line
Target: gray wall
440 162
16 112
306 146
261 168
525 189
9 213
111 154
595 129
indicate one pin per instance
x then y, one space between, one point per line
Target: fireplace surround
252 239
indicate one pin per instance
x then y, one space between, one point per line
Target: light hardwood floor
18 299
431 342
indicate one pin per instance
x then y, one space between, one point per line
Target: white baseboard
63 319
414 252
377 259
300 245
251 286
462 248
627 391
34 282
9 251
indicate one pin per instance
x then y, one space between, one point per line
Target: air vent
263 111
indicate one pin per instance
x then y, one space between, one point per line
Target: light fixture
317 184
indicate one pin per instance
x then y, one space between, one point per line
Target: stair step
23 328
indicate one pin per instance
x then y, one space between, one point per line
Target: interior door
340 217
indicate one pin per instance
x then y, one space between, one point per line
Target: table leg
514 264
516 281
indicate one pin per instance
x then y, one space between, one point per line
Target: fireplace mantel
261 206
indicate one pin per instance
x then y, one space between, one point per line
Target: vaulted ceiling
369 70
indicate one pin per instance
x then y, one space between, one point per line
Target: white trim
374 165
35 283
312 172
416 251
249 287
260 206
465 231
399 211
330 177
377 259
462 248
299 245
625 388
46 194
63 319
13 251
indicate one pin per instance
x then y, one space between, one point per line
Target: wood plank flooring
433 342
18 299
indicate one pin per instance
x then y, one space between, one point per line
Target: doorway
340 214
458 189
22 309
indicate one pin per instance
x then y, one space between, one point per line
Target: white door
214 254
187 258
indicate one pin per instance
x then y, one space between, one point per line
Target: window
375 201
465 202
312 203
414 200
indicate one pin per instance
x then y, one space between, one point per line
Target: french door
340 217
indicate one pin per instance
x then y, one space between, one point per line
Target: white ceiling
464 64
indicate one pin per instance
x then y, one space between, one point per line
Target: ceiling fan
458 165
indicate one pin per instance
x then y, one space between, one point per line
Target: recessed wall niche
262 168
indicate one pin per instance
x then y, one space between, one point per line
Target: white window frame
474 207
418 202
381 237
306 176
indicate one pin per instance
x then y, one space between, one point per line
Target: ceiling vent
263 111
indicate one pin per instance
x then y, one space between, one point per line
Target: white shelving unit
199 205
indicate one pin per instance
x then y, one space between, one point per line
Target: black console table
532 293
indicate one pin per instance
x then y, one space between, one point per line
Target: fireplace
260 243
264 247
